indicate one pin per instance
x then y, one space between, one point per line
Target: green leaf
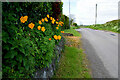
5 36
6 47
25 63
13 63
20 58
22 50
27 67
16 46
10 54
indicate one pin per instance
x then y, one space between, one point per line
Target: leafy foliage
57 9
65 19
75 24
25 48
110 26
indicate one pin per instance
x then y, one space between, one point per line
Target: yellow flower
23 19
39 27
59 37
56 22
48 15
31 25
57 27
61 23
53 19
46 19
40 22
52 22
62 31
55 37
50 18
43 29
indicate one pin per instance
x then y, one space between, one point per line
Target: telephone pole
69 13
96 15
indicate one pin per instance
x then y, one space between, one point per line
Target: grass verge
75 27
73 63
74 32
113 26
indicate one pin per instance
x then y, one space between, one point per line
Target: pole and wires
69 13
96 15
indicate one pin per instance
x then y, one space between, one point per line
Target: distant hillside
113 25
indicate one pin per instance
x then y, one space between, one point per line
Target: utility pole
69 13
96 15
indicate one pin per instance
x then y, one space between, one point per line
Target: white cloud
84 10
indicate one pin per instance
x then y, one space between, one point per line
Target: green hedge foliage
109 26
26 48
65 19
57 9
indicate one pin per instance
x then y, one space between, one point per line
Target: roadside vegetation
72 31
73 62
30 32
113 26
75 26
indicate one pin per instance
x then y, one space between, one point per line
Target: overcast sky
84 10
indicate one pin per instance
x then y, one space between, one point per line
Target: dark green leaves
10 54
23 48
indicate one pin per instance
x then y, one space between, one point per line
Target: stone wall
49 71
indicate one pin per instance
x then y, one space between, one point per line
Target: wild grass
73 63
113 26
74 32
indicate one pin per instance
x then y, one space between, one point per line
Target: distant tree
72 18
75 24
71 21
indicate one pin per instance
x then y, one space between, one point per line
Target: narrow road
101 48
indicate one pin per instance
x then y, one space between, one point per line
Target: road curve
101 48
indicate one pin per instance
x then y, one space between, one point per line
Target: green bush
109 26
57 9
26 47
65 19
75 24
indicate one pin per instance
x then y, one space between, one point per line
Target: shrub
29 35
75 24
57 9
110 26
65 19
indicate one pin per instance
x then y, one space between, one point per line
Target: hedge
65 19
29 35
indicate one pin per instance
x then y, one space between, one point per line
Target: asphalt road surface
101 48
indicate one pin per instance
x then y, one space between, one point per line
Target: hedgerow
109 26
65 19
29 35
